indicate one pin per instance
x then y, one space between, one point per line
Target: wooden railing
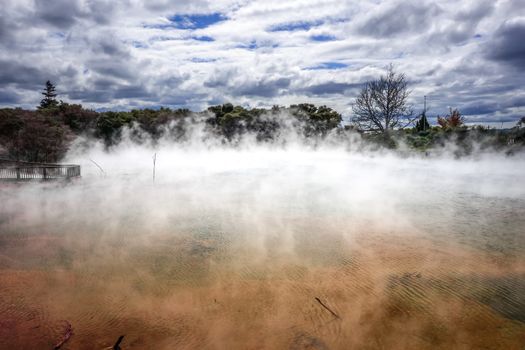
39 172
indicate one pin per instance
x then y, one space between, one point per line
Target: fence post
18 173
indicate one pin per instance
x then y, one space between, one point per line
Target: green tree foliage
319 121
43 140
33 136
10 122
49 100
154 124
78 119
109 126
521 122
144 123
233 121
422 124
46 134
221 110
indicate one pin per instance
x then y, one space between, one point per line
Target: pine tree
422 124
49 96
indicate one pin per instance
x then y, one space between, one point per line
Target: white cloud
128 53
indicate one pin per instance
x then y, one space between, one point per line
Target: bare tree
382 104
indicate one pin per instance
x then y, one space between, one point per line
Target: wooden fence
39 172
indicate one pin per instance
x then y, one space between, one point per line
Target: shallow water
308 250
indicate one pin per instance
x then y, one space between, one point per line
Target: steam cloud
254 228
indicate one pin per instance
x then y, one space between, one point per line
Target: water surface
240 252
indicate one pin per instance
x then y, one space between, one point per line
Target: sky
130 54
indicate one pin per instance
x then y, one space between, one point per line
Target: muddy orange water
254 261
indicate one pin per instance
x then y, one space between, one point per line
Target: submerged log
327 308
117 344
68 333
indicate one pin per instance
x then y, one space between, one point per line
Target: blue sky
135 54
196 21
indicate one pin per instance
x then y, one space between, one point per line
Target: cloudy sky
133 54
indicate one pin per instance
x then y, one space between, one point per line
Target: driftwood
68 333
327 308
117 344
98 166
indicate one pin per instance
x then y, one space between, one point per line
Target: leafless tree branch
382 104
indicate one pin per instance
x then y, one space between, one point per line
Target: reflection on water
237 259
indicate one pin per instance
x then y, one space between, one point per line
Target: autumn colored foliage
453 120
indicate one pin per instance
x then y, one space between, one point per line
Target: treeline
382 118
459 141
45 135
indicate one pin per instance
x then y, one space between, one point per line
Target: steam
258 187
259 227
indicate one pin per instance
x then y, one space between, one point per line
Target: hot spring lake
266 249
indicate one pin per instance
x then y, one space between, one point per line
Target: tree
78 119
453 120
109 126
521 122
317 120
49 96
422 124
33 136
382 105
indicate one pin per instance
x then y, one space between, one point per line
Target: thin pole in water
425 112
154 161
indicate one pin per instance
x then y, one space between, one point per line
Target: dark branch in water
117 344
65 338
327 308
102 170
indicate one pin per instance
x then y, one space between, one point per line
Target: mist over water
230 247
